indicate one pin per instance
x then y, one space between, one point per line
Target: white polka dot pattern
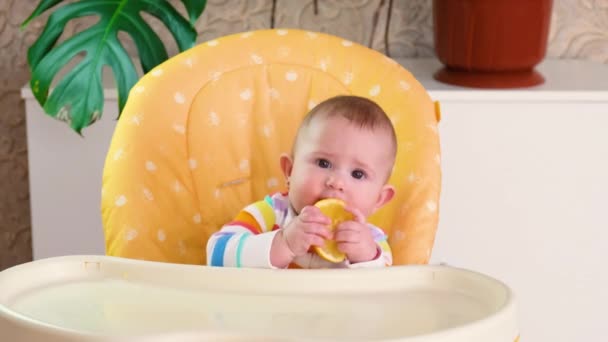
291 76
161 236
150 166
120 201
179 98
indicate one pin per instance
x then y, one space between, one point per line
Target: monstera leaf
78 97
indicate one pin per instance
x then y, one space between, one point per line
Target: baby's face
336 159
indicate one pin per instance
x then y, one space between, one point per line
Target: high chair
201 135
199 138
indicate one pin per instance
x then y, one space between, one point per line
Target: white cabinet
65 172
524 196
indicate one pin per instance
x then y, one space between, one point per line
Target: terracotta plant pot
491 43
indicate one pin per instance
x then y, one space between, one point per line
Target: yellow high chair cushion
201 135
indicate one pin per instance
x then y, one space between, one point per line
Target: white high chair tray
100 298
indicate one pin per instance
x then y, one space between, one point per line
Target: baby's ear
386 194
286 164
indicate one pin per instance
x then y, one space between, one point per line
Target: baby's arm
246 241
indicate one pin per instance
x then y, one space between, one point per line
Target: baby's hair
359 111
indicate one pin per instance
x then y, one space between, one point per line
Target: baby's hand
355 239
306 230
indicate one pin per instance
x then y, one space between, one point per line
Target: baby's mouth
330 197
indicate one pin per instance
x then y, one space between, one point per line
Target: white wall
524 200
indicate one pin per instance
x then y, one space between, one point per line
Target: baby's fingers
348 248
347 235
315 240
305 240
318 230
356 213
352 225
312 214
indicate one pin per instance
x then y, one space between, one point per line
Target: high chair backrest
201 135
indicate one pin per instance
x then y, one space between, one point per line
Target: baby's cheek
368 203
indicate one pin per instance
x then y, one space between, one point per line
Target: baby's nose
335 183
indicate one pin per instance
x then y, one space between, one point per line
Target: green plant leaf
78 96
195 8
42 6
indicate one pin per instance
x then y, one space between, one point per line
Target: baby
345 148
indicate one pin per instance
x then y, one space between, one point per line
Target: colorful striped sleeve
246 240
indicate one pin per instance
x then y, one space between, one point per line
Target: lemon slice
334 209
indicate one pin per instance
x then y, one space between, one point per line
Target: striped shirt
246 241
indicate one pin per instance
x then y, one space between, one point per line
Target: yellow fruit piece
334 209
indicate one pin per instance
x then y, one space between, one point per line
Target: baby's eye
358 174
323 163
